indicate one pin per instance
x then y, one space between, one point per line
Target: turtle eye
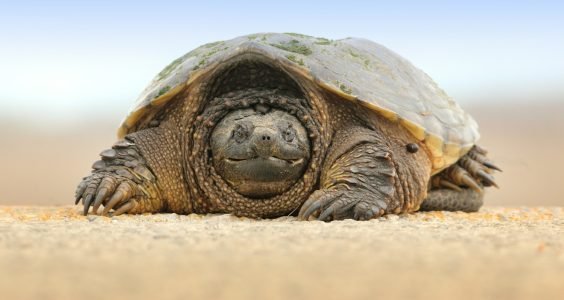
289 134
240 133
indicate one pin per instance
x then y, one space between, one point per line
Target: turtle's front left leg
358 184
121 181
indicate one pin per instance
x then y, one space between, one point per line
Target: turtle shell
356 69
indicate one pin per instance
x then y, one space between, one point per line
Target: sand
54 253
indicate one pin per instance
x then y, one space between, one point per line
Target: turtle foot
474 170
120 181
328 205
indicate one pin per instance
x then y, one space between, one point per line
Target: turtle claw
488 179
102 194
124 208
473 170
311 209
88 187
470 182
106 188
366 211
328 213
337 205
490 165
123 192
79 192
313 204
109 190
449 185
478 165
87 202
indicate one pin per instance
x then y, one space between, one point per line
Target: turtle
272 124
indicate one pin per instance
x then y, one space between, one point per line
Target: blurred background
70 70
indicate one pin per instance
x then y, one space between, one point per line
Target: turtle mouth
264 169
262 177
272 159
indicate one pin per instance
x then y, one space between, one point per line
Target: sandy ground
54 253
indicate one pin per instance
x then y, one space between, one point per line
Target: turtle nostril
265 136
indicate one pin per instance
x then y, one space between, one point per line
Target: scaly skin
121 181
356 184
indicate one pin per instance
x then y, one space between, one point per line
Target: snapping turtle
273 124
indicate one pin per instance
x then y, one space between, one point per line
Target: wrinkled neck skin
254 152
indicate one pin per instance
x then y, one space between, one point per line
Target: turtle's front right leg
121 181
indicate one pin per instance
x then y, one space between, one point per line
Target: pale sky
70 60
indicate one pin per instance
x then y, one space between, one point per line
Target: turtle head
259 151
